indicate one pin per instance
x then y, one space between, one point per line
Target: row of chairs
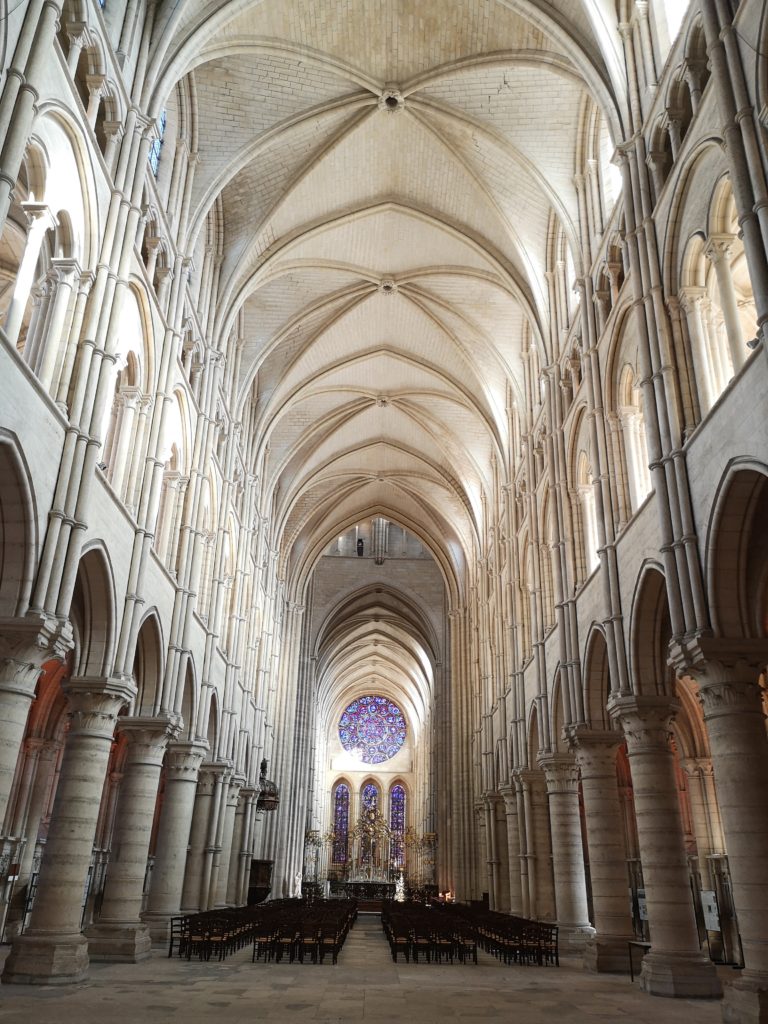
304 932
219 932
509 938
421 934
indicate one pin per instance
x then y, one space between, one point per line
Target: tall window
340 824
370 797
397 826
157 144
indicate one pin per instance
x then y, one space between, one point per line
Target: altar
368 890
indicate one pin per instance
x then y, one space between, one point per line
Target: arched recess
597 680
148 665
18 529
212 727
560 715
93 614
186 703
737 553
651 631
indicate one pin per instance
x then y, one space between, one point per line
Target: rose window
373 727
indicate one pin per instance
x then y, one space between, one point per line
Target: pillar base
607 954
119 943
47 960
679 975
573 938
746 1000
159 927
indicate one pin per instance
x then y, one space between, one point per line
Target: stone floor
364 985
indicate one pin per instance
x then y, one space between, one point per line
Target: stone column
692 299
502 855
596 757
39 218
39 796
25 644
675 966
718 250
120 934
212 856
228 841
198 839
182 761
67 274
53 951
733 713
239 840
513 847
246 854
490 851
525 831
562 776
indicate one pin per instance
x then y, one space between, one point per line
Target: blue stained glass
370 797
397 825
340 824
374 727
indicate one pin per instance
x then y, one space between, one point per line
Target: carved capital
561 773
94 704
182 761
719 247
594 750
646 721
148 737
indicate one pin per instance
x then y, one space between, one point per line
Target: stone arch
736 554
148 665
597 680
651 631
212 727
93 613
47 716
534 739
186 702
560 712
18 529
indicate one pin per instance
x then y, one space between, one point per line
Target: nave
365 985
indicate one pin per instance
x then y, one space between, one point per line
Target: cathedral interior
383 459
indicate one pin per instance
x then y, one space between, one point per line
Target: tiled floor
364 985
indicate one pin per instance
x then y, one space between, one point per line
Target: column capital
645 720
34 638
94 704
561 772
691 297
697 766
148 736
594 749
725 671
718 247
182 760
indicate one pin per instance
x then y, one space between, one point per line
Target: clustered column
120 934
596 757
733 712
562 778
182 762
675 966
53 950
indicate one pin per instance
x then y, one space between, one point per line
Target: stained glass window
373 727
157 144
340 824
370 797
397 825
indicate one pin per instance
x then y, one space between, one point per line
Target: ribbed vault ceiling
387 172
